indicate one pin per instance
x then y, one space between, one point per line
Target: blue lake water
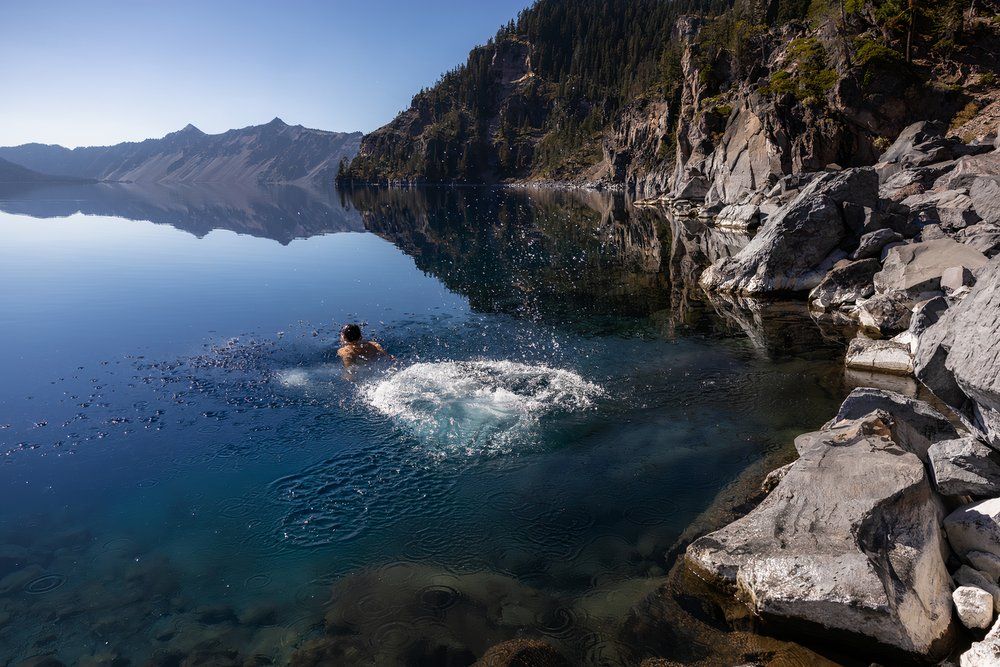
190 474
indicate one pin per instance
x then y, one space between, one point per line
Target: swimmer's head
351 333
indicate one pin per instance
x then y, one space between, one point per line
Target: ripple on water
44 584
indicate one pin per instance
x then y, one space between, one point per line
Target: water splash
477 406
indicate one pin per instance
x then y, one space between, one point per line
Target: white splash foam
293 377
477 406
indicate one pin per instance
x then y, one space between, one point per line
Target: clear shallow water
188 472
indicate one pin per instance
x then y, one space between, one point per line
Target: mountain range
15 173
271 153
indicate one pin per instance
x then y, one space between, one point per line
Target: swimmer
355 350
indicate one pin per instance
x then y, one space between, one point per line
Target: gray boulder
885 314
926 314
915 424
974 607
985 653
978 175
849 540
955 278
969 576
984 237
738 216
919 144
871 244
846 283
957 357
883 356
975 527
796 246
912 181
965 467
988 564
952 209
917 267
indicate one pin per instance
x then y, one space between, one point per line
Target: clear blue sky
99 72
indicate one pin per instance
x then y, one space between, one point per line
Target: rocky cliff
721 106
886 529
270 153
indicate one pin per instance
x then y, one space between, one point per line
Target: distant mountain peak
272 153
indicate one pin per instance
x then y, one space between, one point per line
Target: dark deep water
190 474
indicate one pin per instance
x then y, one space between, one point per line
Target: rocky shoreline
886 529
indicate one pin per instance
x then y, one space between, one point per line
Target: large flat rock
917 267
848 541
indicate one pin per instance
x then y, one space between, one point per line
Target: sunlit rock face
816 550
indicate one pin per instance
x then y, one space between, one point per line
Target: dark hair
351 333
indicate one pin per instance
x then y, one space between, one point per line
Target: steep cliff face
424 145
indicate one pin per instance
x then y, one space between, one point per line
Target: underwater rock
522 653
438 615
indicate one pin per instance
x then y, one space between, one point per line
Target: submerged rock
849 541
522 653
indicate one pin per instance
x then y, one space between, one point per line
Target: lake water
190 474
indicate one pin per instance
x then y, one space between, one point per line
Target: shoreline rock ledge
850 540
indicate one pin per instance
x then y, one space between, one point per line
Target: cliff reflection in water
278 212
579 257
530 253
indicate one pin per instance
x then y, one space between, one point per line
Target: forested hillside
593 90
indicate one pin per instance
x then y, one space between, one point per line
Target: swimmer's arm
382 350
344 356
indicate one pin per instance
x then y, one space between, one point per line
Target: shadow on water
293 513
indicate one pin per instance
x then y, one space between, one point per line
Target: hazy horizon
111 72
